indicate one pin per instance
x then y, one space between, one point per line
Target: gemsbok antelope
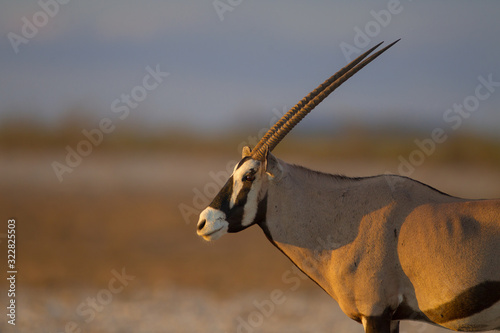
400 252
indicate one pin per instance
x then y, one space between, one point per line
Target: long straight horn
310 96
308 103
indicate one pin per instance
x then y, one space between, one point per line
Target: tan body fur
387 248
374 247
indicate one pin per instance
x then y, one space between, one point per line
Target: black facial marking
235 215
260 217
468 303
221 201
243 160
241 199
234 220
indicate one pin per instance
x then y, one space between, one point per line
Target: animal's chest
361 280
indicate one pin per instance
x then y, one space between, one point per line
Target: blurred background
119 119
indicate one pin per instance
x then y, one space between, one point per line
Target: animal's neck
304 206
321 221
307 217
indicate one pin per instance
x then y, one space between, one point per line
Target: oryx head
242 201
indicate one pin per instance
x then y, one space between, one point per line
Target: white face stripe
250 209
237 179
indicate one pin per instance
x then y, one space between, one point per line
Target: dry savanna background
110 245
120 120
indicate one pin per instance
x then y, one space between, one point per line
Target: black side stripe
468 303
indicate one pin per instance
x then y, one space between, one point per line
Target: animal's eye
249 178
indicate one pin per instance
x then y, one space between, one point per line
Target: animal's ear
274 169
245 152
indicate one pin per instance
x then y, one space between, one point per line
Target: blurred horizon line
348 140
86 118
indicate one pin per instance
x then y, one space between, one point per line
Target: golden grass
355 142
75 239
75 235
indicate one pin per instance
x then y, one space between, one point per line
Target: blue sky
235 66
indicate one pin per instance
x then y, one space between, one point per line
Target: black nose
201 224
